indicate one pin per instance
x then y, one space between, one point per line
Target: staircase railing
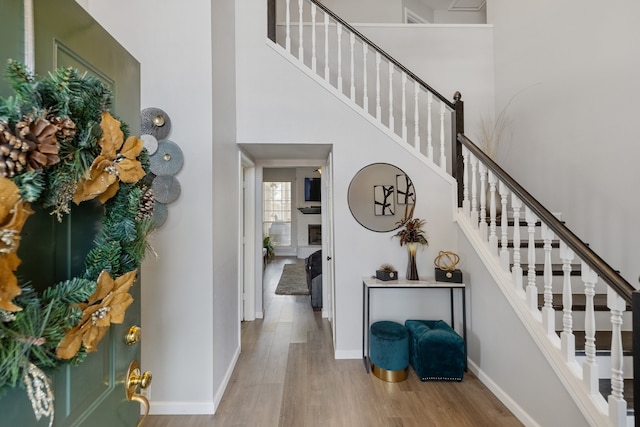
417 115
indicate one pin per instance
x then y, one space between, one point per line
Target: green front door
91 394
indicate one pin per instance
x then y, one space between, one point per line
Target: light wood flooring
286 375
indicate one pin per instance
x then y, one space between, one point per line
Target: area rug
293 280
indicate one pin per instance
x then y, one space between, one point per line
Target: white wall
573 146
186 311
367 10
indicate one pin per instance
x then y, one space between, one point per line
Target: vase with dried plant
412 235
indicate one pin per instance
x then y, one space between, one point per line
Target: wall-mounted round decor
380 196
166 188
167 160
154 121
150 143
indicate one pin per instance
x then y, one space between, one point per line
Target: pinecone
66 128
147 203
43 134
13 151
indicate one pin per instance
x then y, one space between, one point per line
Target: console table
371 283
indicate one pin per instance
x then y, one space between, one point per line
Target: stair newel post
516 270
271 20
504 242
590 373
429 126
314 9
457 122
568 340
617 404
466 203
287 40
352 86
532 290
365 83
300 30
493 237
474 192
548 313
483 200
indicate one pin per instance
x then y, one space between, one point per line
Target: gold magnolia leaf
105 306
111 166
9 288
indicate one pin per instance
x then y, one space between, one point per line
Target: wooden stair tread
603 342
578 302
524 244
556 269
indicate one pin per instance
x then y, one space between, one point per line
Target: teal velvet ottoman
436 351
389 351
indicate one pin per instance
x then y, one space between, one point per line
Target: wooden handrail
593 260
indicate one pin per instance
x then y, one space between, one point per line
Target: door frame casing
248 248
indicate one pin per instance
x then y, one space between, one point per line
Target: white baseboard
217 397
181 408
506 400
348 354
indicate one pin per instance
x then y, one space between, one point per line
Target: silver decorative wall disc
150 143
155 122
160 213
167 160
166 188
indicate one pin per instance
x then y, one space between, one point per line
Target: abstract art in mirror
380 195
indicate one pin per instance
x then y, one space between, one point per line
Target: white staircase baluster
504 227
313 36
548 313
352 41
567 338
287 26
378 106
365 96
483 201
590 373
617 404
300 43
404 106
516 270
493 237
466 203
326 46
416 116
391 120
443 157
429 126
339 34
532 290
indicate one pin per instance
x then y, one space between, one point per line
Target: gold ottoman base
390 376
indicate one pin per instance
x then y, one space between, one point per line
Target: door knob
136 378
133 335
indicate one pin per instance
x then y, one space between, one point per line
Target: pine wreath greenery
60 146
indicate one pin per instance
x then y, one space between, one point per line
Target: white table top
372 282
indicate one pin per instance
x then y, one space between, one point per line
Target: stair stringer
594 408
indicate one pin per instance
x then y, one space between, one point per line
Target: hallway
286 376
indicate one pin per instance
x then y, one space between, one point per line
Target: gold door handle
136 378
133 335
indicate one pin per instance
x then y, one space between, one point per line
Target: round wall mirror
380 196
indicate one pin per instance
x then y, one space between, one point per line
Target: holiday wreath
59 147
